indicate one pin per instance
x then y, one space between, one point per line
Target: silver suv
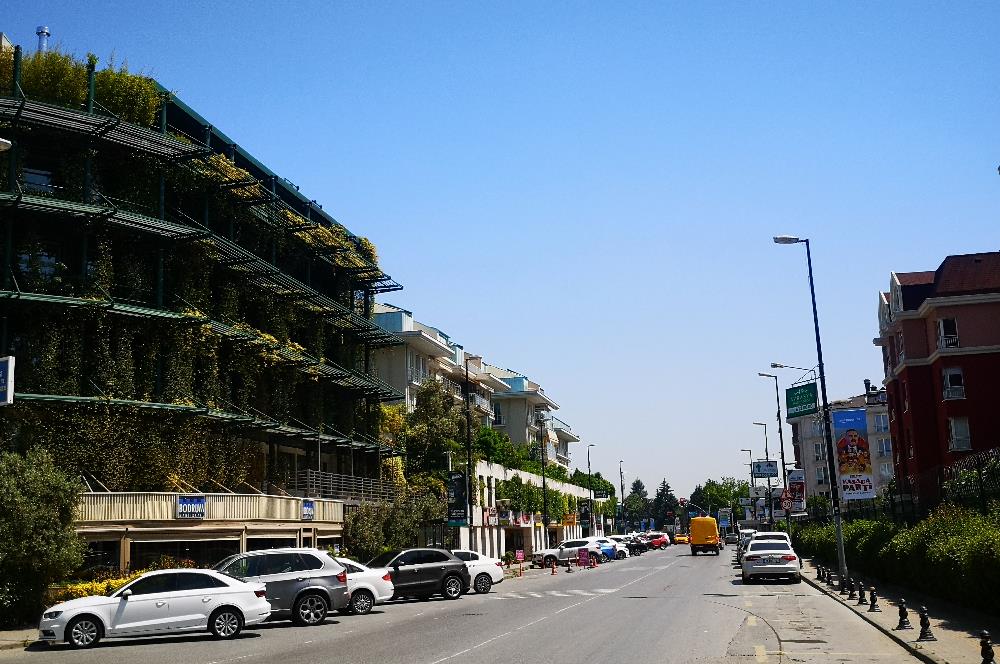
303 584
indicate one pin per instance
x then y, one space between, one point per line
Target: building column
125 552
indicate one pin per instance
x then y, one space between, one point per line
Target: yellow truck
704 535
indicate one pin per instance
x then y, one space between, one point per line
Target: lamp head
786 239
766 375
775 365
761 424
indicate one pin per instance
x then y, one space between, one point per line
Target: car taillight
789 558
386 577
751 557
260 593
342 577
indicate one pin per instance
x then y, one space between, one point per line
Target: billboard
765 468
6 381
801 400
854 456
797 489
456 498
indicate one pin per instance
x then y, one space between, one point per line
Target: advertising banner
854 457
797 489
6 381
801 400
190 507
456 498
584 506
308 510
765 468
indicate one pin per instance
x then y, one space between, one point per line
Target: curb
913 649
14 645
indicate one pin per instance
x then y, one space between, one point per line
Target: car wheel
620 555
452 587
225 623
309 609
483 583
797 578
362 602
83 632
746 579
604 558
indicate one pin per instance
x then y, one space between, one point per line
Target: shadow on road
39 646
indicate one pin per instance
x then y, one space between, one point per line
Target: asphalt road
662 606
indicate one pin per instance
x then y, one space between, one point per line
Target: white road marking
556 593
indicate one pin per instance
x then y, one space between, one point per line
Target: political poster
456 498
797 489
854 457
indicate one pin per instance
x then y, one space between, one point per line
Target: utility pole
545 491
468 450
621 475
781 437
753 499
590 486
769 511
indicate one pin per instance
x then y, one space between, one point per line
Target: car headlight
50 615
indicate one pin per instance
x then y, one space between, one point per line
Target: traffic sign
786 504
683 501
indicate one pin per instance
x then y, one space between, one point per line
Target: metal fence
343 487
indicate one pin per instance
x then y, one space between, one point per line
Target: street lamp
543 445
770 502
781 437
753 485
827 432
621 476
590 485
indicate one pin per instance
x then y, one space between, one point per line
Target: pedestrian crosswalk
552 593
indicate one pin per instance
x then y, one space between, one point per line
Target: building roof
915 278
968 274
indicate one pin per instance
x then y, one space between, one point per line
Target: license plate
770 560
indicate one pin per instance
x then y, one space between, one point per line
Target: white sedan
771 559
485 571
165 601
367 586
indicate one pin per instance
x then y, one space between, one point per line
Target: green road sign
801 400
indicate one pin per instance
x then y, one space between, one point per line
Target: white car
770 558
621 550
770 535
367 586
485 571
565 552
165 601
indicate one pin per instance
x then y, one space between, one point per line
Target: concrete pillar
125 552
243 540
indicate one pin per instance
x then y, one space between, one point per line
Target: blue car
608 549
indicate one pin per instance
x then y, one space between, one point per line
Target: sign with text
797 489
308 510
854 457
765 468
6 380
746 502
583 555
600 495
801 400
190 507
456 498
758 491
519 555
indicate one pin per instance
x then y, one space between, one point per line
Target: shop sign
797 489
6 380
308 510
190 507
506 518
600 495
490 516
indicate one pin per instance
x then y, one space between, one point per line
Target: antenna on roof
43 38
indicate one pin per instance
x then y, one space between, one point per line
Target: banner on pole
854 457
797 489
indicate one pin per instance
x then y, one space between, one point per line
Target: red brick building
940 338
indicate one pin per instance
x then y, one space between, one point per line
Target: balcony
481 402
947 341
416 377
136 507
956 392
343 487
451 386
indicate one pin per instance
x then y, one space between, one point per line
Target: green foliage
37 542
954 553
373 528
664 501
433 429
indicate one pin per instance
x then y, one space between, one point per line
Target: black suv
425 572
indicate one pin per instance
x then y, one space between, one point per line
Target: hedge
954 553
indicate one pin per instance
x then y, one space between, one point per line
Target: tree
639 489
725 492
38 545
663 501
433 429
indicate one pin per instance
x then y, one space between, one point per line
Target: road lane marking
760 653
556 593
535 594
752 621
747 603
586 593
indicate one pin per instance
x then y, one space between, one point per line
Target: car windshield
770 546
383 560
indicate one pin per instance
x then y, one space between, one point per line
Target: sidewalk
956 628
17 638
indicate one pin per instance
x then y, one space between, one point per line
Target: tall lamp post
753 499
543 453
827 429
590 486
781 437
770 501
469 470
621 477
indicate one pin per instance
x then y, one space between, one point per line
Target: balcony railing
481 402
948 341
343 487
417 377
957 392
451 386
128 507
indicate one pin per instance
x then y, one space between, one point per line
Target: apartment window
497 414
900 348
819 451
822 475
906 398
947 333
958 434
884 446
817 426
954 383
881 423
885 470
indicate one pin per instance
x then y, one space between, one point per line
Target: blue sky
586 192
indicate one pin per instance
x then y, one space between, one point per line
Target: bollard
553 568
986 648
829 579
819 572
873 606
843 585
925 626
569 566
904 620
852 584
862 600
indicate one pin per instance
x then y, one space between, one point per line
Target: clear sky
586 192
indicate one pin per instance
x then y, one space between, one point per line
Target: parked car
564 552
636 546
771 535
610 549
367 586
422 573
622 550
770 559
681 538
732 537
485 571
302 584
186 600
658 540
745 536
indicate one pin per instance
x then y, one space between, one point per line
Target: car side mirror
127 594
